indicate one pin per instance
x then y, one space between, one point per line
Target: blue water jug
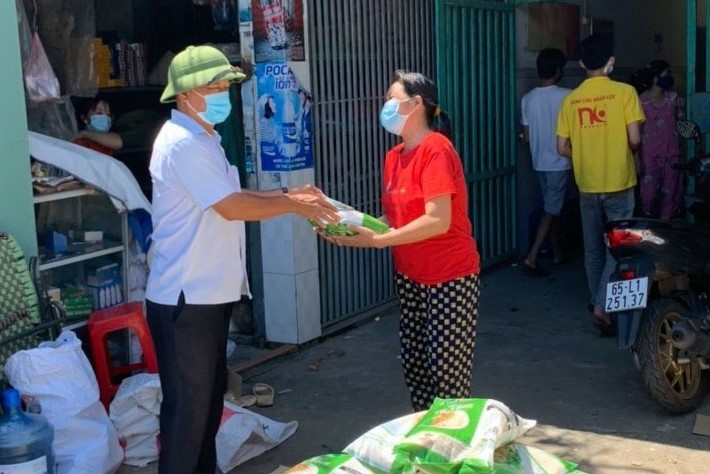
25 440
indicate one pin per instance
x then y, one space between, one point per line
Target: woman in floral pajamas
661 186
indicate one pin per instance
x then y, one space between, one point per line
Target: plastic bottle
290 145
25 439
274 21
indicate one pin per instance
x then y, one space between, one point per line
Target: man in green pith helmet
198 254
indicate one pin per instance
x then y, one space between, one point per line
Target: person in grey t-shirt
539 108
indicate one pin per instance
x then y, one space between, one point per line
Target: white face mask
609 68
391 119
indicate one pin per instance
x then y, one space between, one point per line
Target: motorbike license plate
626 294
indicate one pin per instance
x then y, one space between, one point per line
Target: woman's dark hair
595 51
658 67
84 107
268 111
642 79
415 83
549 62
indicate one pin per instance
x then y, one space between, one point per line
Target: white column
290 254
290 271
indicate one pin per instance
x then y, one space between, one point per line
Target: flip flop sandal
264 394
246 401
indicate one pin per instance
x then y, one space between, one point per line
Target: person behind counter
95 116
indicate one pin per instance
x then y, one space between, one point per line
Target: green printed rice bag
330 464
375 449
351 217
458 436
520 459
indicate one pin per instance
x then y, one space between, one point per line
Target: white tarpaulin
96 169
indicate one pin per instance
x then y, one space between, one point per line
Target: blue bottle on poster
25 440
290 145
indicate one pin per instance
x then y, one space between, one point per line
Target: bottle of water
274 22
25 439
290 143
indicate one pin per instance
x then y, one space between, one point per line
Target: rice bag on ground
520 459
459 436
330 464
375 449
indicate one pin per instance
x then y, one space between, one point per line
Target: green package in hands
351 217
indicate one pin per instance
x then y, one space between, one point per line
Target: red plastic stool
106 321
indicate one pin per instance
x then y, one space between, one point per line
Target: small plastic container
25 439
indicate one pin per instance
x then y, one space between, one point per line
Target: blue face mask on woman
99 123
666 82
217 107
391 119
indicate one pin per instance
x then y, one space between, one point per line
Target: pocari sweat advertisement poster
284 119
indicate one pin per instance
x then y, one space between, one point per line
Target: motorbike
658 293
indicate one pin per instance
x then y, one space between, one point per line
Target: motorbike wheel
678 388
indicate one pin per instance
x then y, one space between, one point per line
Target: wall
289 252
16 210
636 22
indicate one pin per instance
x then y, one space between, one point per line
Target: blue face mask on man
99 123
391 119
217 107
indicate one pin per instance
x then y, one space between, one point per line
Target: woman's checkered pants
437 331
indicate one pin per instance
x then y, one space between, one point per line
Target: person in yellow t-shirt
599 128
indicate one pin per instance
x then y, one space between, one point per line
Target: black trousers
191 346
437 333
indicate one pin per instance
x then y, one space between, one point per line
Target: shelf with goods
68 270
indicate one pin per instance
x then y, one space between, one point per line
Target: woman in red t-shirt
426 204
97 134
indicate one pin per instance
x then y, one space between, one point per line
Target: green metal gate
476 79
698 65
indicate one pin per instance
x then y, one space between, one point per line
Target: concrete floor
536 351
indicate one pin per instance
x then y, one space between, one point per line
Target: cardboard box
234 384
86 235
54 294
56 242
77 303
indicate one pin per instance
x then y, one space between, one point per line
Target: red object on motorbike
627 274
618 237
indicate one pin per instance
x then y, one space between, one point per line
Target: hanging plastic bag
41 82
24 30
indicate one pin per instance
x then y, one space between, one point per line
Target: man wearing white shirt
198 254
540 108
